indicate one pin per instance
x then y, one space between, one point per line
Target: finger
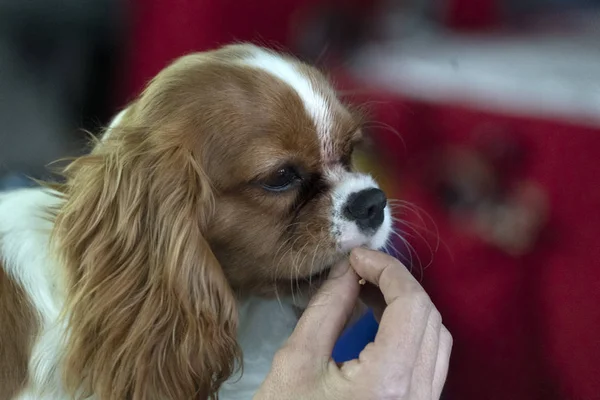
323 320
442 362
372 297
384 271
404 320
422 377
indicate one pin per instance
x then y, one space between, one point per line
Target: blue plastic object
355 338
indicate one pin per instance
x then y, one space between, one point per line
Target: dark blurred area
485 119
58 63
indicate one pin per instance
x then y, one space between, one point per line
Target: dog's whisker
279 262
294 272
299 266
406 257
439 242
312 264
314 258
418 211
425 220
389 245
386 127
418 234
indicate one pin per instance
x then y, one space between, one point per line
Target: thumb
323 320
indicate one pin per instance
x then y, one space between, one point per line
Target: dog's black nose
366 208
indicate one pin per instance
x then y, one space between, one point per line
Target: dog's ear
150 313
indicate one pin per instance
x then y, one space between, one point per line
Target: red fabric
524 329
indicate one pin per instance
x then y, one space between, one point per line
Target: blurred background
485 119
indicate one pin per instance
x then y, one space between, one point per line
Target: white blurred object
538 74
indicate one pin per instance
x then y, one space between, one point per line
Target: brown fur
18 327
165 225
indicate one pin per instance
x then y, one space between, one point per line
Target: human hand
408 359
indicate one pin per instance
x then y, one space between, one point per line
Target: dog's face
276 145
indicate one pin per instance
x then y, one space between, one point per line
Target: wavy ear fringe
150 313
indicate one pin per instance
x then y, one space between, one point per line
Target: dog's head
230 175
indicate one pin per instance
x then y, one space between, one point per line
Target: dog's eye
346 159
283 179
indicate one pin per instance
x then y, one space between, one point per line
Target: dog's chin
302 289
298 290
318 277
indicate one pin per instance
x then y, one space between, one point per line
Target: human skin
408 359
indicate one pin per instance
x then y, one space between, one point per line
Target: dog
175 254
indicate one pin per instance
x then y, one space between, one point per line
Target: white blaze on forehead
315 104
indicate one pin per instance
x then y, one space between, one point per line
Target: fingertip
359 254
380 269
447 337
361 258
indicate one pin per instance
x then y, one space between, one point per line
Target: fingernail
360 254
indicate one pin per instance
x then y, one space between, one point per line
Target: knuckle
400 389
333 388
412 287
386 271
447 337
435 317
421 301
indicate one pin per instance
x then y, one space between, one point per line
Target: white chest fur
264 327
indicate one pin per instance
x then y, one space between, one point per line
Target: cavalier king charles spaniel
170 262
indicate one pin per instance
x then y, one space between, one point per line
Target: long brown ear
150 313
